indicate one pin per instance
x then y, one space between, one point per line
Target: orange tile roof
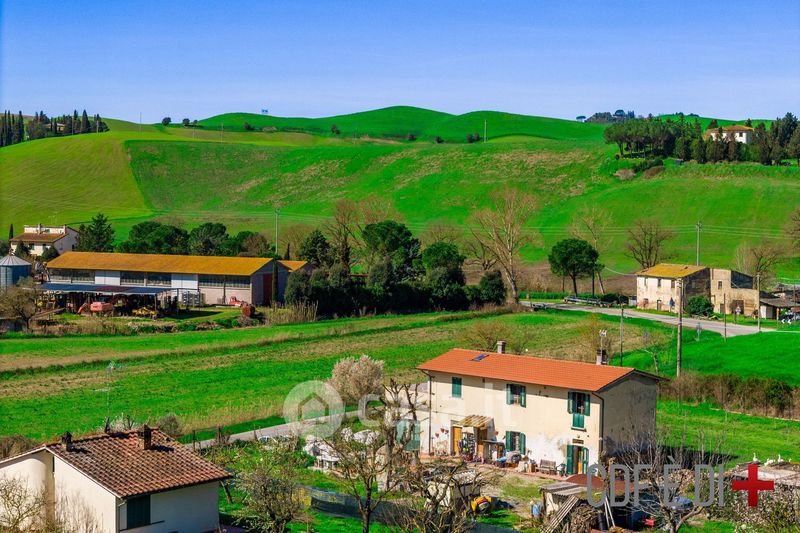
669 270
737 127
38 237
117 462
180 264
527 369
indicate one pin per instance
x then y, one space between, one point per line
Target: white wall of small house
188 510
33 471
68 242
75 491
544 420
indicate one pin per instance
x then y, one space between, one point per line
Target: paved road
707 325
280 430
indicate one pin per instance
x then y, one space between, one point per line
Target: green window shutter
522 447
413 444
522 400
401 430
456 388
585 460
587 402
508 441
508 394
570 402
569 459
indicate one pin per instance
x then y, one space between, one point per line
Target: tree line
682 139
14 129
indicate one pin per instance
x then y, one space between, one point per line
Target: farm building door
577 459
267 281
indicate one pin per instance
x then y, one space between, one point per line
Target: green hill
185 175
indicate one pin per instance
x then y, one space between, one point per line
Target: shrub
699 305
165 121
492 288
248 126
170 424
49 254
355 378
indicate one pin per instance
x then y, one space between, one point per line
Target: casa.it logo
313 408
713 477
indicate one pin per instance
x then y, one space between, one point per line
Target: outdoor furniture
548 467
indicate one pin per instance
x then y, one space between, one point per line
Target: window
515 395
58 274
719 285
672 284
578 404
208 280
409 431
83 276
131 278
138 511
159 278
455 387
237 282
658 284
515 442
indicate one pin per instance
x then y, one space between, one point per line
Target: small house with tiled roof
38 239
555 412
666 286
736 132
123 481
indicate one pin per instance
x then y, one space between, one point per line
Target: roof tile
181 264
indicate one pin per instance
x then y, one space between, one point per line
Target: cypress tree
3 131
84 122
10 231
21 128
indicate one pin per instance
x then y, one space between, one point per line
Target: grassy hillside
187 176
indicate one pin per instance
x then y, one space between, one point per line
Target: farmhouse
736 132
39 238
193 280
665 286
552 411
123 481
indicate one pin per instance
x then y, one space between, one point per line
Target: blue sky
731 59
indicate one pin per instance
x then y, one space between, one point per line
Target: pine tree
793 147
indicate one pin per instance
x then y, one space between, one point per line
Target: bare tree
21 506
442 491
343 230
591 223
73 514
294 236
442 231
758 260
370 467
377 208
20 301
646 242
479 254
500 230
273 496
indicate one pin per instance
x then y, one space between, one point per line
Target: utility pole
699 226
484 130
680 328
758 302
621 332
725 317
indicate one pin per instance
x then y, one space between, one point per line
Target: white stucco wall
188 510
544 420
184 281
76 489
629 412
32 471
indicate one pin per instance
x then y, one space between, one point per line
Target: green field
53 384
187 176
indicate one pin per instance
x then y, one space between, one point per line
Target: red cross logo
752 485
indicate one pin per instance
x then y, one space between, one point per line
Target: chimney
602 356
501 346
147 438
66 440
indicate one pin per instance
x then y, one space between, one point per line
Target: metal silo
12 269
